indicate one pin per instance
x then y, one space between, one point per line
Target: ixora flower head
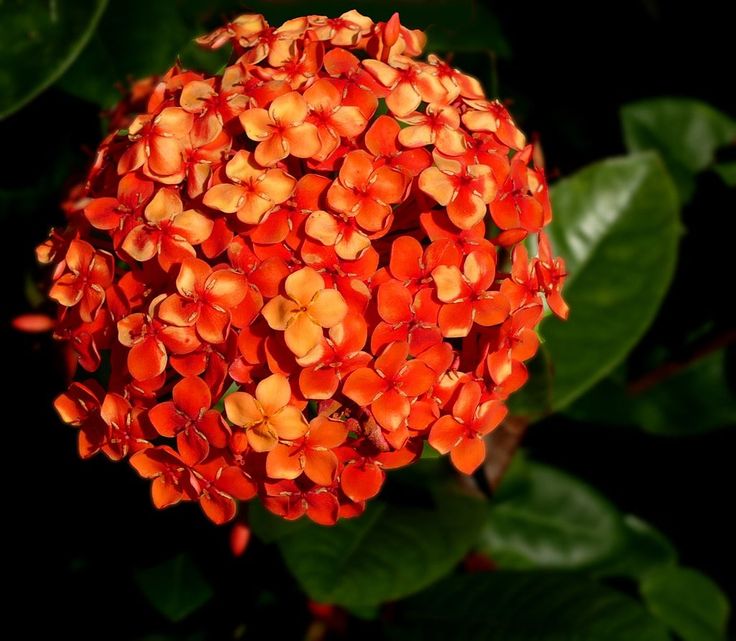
279 281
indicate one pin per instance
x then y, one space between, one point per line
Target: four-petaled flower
461 433
307 307
266 417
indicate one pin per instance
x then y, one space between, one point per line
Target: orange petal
289 110
361 482
302 285
146 359
493 309
468 455
273 393
192 277
289 423
391 409
140 244
327 308
226 288
279 311
318 384
193 226
302 334
241 409
445 434
165 205
284 462
320 466
324 432
437 184
167 420
225 197
449 283
363 386
256 123
303 140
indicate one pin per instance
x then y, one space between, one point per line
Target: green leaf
697 399
176 588
549 519
686 132
126 47
523 606
642 549
687 602
616 224
38 41
389 552
727 172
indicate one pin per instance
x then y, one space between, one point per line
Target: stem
670 368
501 445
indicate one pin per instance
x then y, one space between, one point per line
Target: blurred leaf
616 224
727 172
686 132
550 520
176 588
389 552
38 41
451 25
641 549
696 399
523 606
687 602
137 38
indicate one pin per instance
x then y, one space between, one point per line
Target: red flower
308 238
461 433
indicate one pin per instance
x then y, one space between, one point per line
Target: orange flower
255 191
90 274
282 130
461 434
409 84
439 126
390 385
159 143
265 236
268 416
366 192
311 454
149 339
171 479
466 190
307 307
205 299
169 231
334 358
188 417
467 296
332 119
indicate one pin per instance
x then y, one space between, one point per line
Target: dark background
76 528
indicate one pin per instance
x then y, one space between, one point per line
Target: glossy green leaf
642 549
389 552
616 224
549 519
695 400
727 172
688 602
176 588
38 41
523 606
684 131
126 47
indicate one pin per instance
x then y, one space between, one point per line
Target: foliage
547 556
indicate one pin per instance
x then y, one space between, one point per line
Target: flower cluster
288 276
